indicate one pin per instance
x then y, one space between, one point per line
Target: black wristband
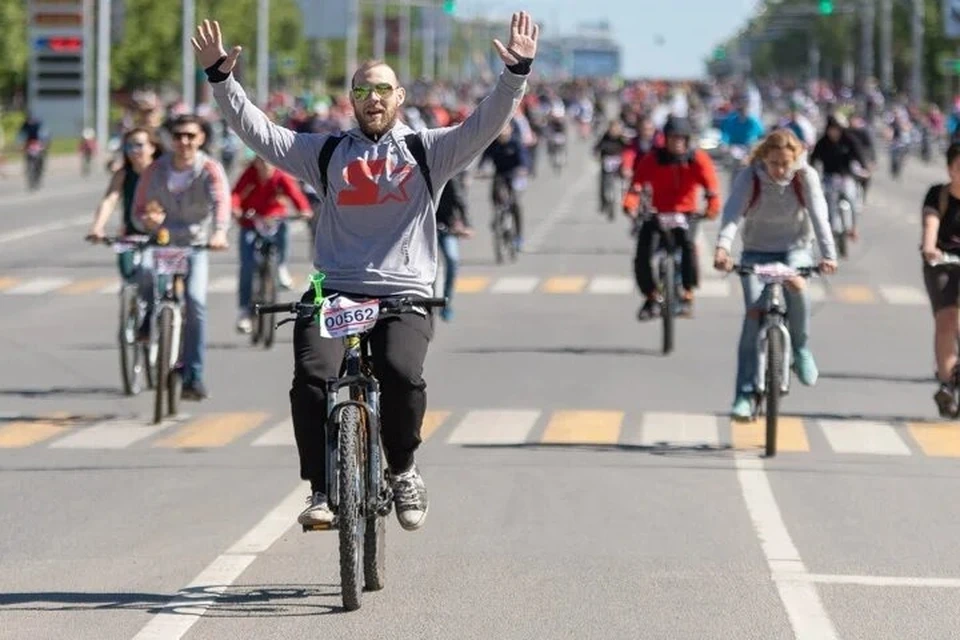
522 67
213 71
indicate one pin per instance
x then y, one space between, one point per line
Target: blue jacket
744 132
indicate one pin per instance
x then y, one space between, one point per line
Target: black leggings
648 235
398 345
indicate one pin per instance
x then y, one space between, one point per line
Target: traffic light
826 7
448 6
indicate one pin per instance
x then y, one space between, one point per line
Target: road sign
951 18
949 66
57 82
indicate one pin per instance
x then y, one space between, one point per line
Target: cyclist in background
186 192
259 190
610 149
675 173
510 162
781 196
837 151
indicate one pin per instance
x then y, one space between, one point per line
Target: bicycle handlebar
142 241
403 303
805 272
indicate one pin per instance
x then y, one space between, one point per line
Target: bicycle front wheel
774 375
131 354
269 296
668 291
164 340
349 511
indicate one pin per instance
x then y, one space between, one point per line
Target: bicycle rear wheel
774 375
349 509
164 338
269 296
668 292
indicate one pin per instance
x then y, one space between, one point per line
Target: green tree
13 47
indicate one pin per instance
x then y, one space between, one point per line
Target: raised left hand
523 39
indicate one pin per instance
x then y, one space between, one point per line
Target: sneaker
409 498
284 277
194 391
244 323
742 409
944 397
649 310
805 366
317 511
447 314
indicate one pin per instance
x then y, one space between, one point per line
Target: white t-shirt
178 181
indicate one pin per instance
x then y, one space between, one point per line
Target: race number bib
673 220
170 261
773 272
611 164
341 316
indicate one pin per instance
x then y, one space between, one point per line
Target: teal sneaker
805 366
742 409
447 314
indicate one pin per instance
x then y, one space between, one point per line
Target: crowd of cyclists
701 150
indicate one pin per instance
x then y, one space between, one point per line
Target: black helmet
677 126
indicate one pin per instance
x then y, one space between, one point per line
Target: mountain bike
358 491
137 356
667 259
774 352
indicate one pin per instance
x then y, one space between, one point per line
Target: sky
690 28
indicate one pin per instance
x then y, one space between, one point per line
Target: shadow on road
243 343
658 449
877 377
248 601
64 391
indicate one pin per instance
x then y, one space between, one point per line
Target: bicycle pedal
317 527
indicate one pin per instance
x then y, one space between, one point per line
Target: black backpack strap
329 146
419 153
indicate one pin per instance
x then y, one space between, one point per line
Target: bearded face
376 99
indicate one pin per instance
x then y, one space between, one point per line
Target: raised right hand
208 45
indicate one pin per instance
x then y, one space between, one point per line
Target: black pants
648 239
398 345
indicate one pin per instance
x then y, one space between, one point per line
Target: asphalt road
582 485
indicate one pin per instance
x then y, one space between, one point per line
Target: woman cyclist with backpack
780 203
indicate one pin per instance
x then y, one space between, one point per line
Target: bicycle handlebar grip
286 307
431 303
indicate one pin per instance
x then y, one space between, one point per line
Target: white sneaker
283 275
409 498
244 323
317 511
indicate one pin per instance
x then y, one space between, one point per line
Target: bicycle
137 357
557 149
610 185
667 258
840 212
774 351
358 491
504 223
266 253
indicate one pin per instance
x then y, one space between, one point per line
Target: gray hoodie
377 228
778 221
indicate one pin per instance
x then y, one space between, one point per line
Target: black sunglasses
189 135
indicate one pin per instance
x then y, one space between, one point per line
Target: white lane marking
112 434
806 612
110 289
29 232
492 427
279 435
894 294
191 602
515 284
713 289
611 285
883 581
863 436
671 429
38 286
273 525
223 284
564 206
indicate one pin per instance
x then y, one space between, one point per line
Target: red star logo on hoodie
372 182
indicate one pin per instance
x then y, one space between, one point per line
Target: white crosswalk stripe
37 286
903 295
515 284
674 429
861 436
492 427
279 435
113 434
615 285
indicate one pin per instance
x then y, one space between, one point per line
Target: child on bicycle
780 201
